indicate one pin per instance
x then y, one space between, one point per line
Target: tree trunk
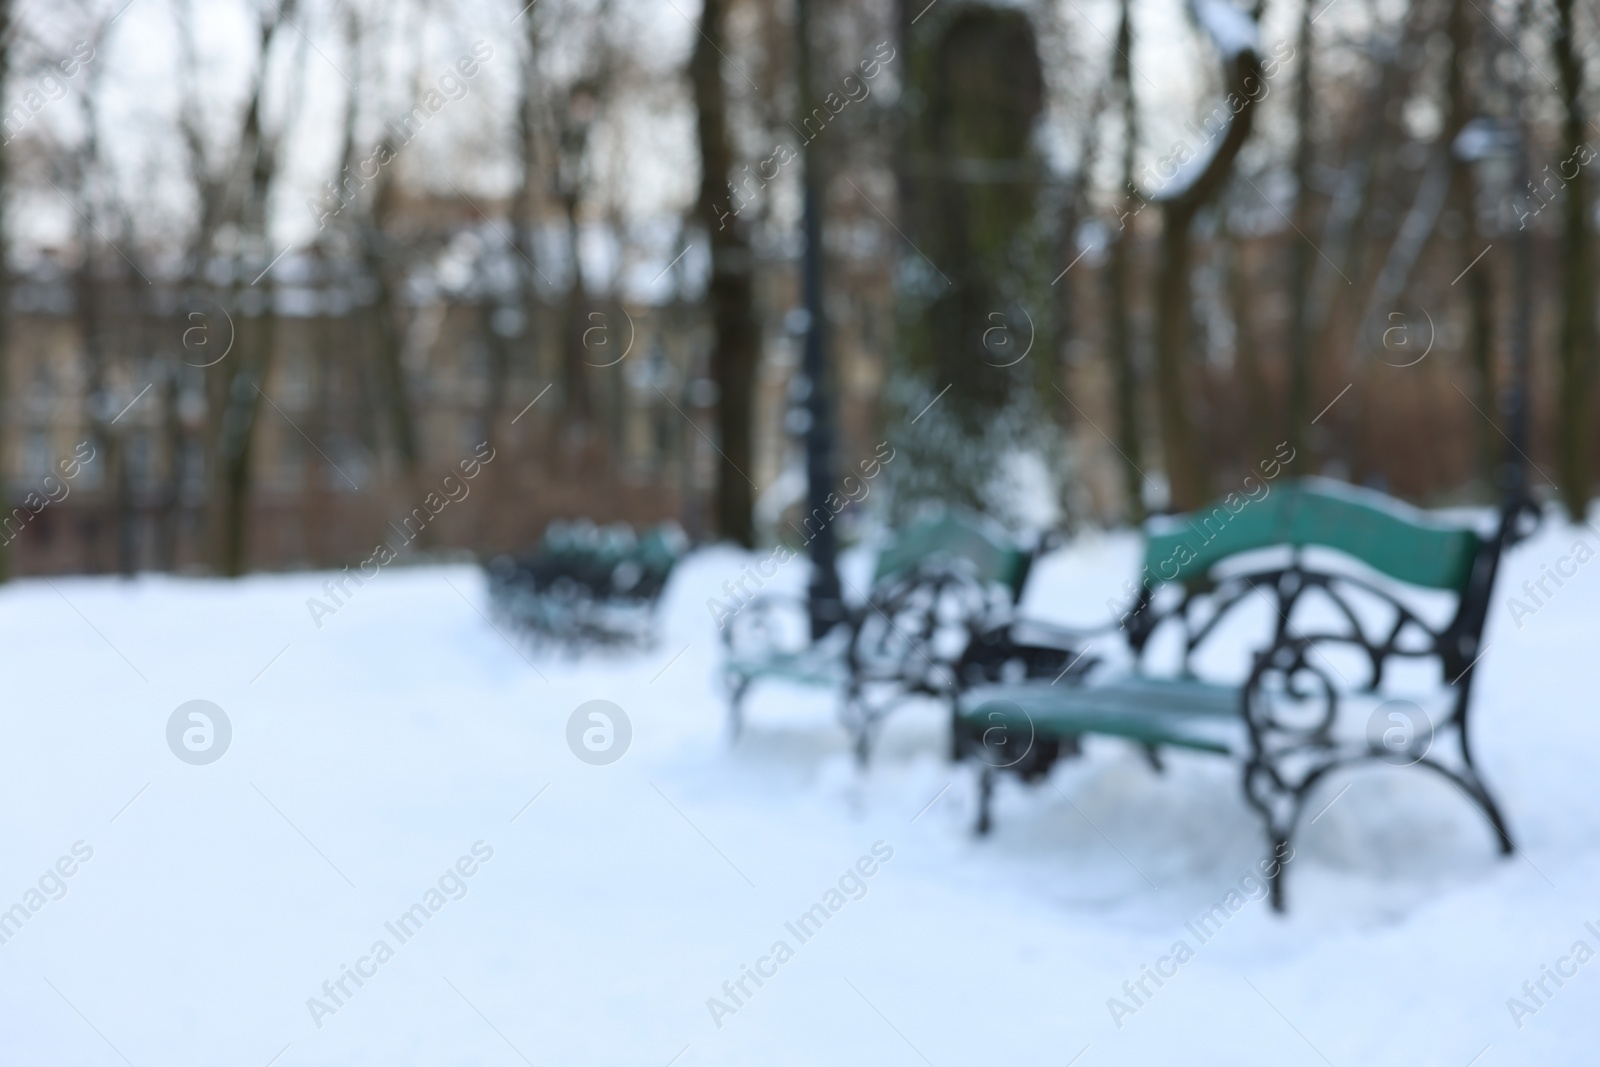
1574 425
976 258
1301 261
87 294
1242 290
1188 472
736 348
235 443
1119 333
577 400
6 37
1476 285
235 398
168 521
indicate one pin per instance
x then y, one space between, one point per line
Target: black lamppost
825 602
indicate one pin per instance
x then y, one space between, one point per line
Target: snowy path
384 755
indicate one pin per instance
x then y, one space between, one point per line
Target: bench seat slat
1159 711
804 668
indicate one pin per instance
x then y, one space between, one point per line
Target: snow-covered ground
376 761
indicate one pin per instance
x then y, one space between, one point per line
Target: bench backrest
661 547
1387 535
952 536
594 554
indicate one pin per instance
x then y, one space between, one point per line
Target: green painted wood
1387 535
953 536
661 547
1155 711
801 668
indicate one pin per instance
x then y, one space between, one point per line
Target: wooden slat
1156 711
1391 537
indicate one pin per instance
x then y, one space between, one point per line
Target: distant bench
1288 723
588 585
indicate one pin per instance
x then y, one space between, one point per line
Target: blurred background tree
582 249
976 323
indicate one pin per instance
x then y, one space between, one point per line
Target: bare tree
1196 184
1118 280
1301 255
8 37
100 281
525 205
1365 179
736 349
1574 425
382 262
1243 287
234 193
1478 295
572 62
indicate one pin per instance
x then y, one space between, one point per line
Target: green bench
933 585
587 585
1295 717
